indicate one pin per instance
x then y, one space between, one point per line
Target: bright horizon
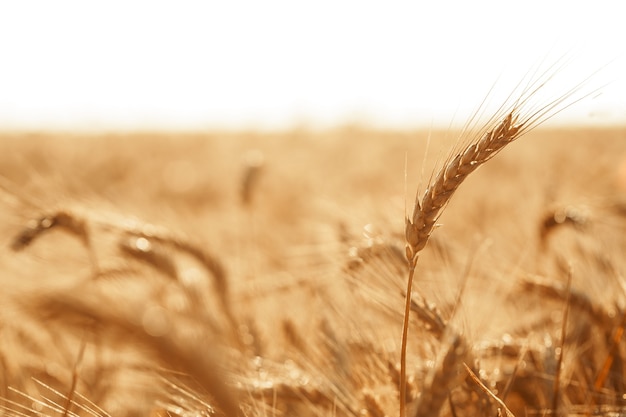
116 65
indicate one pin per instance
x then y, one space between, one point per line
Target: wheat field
265 274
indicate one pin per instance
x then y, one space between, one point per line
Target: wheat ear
426 212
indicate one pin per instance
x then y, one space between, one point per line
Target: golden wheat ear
508 124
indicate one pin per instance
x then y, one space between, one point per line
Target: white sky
79 64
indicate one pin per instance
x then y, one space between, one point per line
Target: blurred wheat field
263 274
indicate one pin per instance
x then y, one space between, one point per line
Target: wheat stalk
511 124
503 410
426 211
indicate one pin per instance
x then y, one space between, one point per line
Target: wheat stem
405 333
